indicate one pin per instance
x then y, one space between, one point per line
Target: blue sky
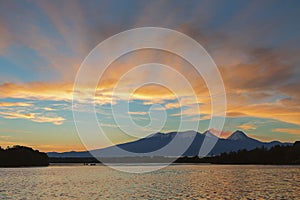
255 45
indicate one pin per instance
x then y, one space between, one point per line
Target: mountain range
188 142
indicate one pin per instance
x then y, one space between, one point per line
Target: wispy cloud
33 117
261 74
37 90
5 137
247 126
287 130
137 113
12 104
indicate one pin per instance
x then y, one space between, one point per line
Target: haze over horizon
42 45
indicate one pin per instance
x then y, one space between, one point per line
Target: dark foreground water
173 182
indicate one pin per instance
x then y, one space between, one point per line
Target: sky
254 44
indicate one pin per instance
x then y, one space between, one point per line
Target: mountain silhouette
238 135
188 142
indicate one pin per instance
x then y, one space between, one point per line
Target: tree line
279 155
18 156
21 156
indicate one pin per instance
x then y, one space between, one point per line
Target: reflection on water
173 182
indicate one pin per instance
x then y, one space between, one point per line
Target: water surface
173 182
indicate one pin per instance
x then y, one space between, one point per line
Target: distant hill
20 156
238 140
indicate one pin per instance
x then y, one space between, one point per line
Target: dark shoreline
143 161
277 155
20 156
148 164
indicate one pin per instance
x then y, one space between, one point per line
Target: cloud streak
35 117
254 45
287 130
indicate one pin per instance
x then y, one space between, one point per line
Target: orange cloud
37 90
287 130
246 87
43 147
33 117
270 110
16 115
12 104
54 120
54 147
247 127
235 114
151 94
172 105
